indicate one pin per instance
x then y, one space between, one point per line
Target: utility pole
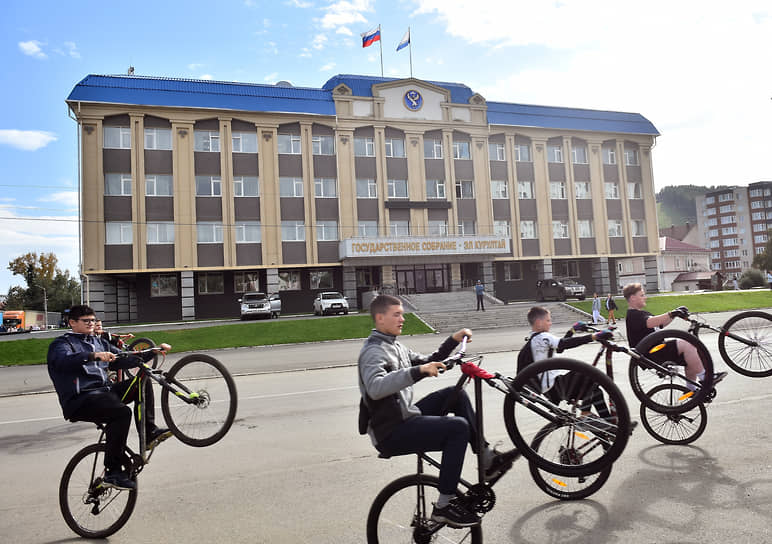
45 305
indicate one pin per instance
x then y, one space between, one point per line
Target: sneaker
501 463
718 376
118 480
455 515
156 436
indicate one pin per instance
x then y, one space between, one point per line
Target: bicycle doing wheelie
401 512
198 400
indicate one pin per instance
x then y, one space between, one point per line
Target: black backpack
525 357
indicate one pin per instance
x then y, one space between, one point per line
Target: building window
579 155
554 153
432 149
206 140
395 147
160 233
208 186
461 150
528 230
615 228
163 285
399 228
291 187
325 188
289 280
631 157
326 231
634 191
582 190
499 189
293 231
117 184
246 186
289 144
712 211
438 228
609 155
118 233
725 197
210 283
117 138
584 228
712 233
367 188
367 229
756 204
323 145
245 281
756 192
638 227
558 190
244 142
560 229
209 232
715 243
397 188
710 199
712 222
522 153
731 253
755 216
435 189
612 190
726 209
565 269
525 190
759 227
364 147
248 232
464 189
502 228
321 279
715 255
513 271
158 138
466 228
496 152
760 239
729 242
158 185
760 250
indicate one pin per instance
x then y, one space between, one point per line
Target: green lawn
724 301
253 333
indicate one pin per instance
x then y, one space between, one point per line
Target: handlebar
456 357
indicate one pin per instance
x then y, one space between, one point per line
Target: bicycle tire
598 438
564 488
751 361
677 429
79 483
207 420
395 515
144 343
644 378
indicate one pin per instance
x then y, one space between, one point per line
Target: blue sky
700 71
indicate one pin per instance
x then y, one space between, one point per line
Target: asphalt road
293 469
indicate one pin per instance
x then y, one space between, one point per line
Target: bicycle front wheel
565 488
139 344
402 513
746 344
591 418
89 509
200 404
675 428
661 366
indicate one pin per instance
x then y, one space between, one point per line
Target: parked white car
256 304
330 302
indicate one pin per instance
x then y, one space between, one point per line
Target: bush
752 278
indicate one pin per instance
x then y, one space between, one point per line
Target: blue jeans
433 431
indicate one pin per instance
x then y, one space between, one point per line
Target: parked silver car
330 302
256 304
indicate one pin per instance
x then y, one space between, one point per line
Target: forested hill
676 204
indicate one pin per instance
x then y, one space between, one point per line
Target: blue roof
363 86
193 93
527 115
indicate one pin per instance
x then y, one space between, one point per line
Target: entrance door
435 280
405 281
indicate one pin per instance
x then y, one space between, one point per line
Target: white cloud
327 67
342 13
206 76
26 140
72 49
305 53
300 4
272 48
193 66
33 48
319 41
271 77
67 198
345 31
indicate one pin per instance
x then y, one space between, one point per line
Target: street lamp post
45 305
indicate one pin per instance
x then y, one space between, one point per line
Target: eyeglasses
88 321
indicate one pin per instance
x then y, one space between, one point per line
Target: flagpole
410 50
380 43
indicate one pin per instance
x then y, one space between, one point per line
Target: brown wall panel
499 170
634 174
637 209
435 168
207 124
640 244
156 308
208 208
117 120
528 209
610 172
326 209
584 209
500 208
237 125
559 209
290 166
367 209
116 161
245 164
293 252
292 209
438 215
463 169
210 255
325 166
587 246
118 257
328 252
160 256
249 254
206 163
150 121
117 208
467 208
159 208
617 245
396 168
614 209
524 171
557 171
158 162
530 248
365 167
563 247
581 172
247 208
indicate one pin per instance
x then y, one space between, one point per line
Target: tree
40 272
763 261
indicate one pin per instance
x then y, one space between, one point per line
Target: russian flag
371 36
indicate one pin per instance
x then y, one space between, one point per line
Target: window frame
327 231
371 186
123 227
213 137
435 145
560 229
239 185
218 284
576 151
294 141
555 154
369 146
558 190
216 229
242 228
583 194
502 227
299 231
461 148
215 186
364 226
153 133
297 184
125 182
528 229
153 178
124 133
437 191
501 189
322 187
465 195
520 193
617 232
519 153
318 146
154 227
497 151
239 135
393 185
159 291
399 228
389 148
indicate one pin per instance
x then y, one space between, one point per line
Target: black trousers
480 302
108 408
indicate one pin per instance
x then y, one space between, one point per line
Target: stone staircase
448 312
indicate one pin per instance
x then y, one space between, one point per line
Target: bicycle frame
695 326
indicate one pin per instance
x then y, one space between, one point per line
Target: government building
194 192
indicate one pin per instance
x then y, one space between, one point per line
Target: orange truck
28 319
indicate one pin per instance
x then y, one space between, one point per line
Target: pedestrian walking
611 306
479 289
596 317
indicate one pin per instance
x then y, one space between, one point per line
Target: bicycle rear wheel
89 509
645 375
754 360
202 404
580 404
676 428
402 513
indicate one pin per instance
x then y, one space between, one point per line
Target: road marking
296 393
35 420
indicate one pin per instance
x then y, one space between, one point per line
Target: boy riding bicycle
78 364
